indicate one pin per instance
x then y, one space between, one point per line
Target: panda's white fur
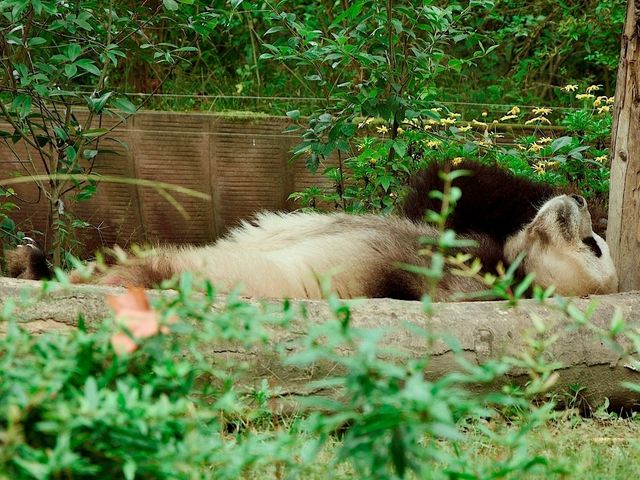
286 255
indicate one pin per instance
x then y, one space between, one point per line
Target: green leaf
88 65
97 104
94 132
35 41
274 30
70 70
36 470
7 224
129 470
455 64
385 182
73 51
86 192
617 322
294 114
170 5
559 143
400 147
398 452
122 103
61 133
22 105
350 13
91 393
89 153
70 153
37 6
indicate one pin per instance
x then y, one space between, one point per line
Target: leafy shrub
76 405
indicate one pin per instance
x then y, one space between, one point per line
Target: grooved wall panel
113 212
244 164
173 148
17 160
249 171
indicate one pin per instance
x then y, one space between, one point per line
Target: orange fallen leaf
134 314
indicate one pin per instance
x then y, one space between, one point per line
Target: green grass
576 448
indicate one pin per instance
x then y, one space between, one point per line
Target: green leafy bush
75 405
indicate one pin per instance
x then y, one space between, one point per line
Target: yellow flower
373 161
539 168
454 115
601 158
427 127
436 110
465 128
447 121
367 121
538 120
569 88
598 101
544 140
433 143
400 130
484 113
508 117
604 109
593 88
541 111
382 129
457 161
611 100
535 148
431 121
480 124
514 111
584 96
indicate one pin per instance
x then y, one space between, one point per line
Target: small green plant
56 95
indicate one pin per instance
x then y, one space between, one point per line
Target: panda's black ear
593 245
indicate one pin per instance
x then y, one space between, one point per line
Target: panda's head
562 249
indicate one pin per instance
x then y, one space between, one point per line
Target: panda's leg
147 272
28 261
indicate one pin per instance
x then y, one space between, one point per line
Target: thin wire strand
495 106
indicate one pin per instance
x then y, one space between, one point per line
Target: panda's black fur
494 201
278 255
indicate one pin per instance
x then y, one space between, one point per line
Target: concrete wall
243 163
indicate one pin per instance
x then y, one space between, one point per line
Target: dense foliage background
535 45
381 86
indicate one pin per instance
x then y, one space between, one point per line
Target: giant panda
288 255
522 215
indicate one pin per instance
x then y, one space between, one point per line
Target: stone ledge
483 329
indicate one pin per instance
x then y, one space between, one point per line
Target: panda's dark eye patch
593 246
